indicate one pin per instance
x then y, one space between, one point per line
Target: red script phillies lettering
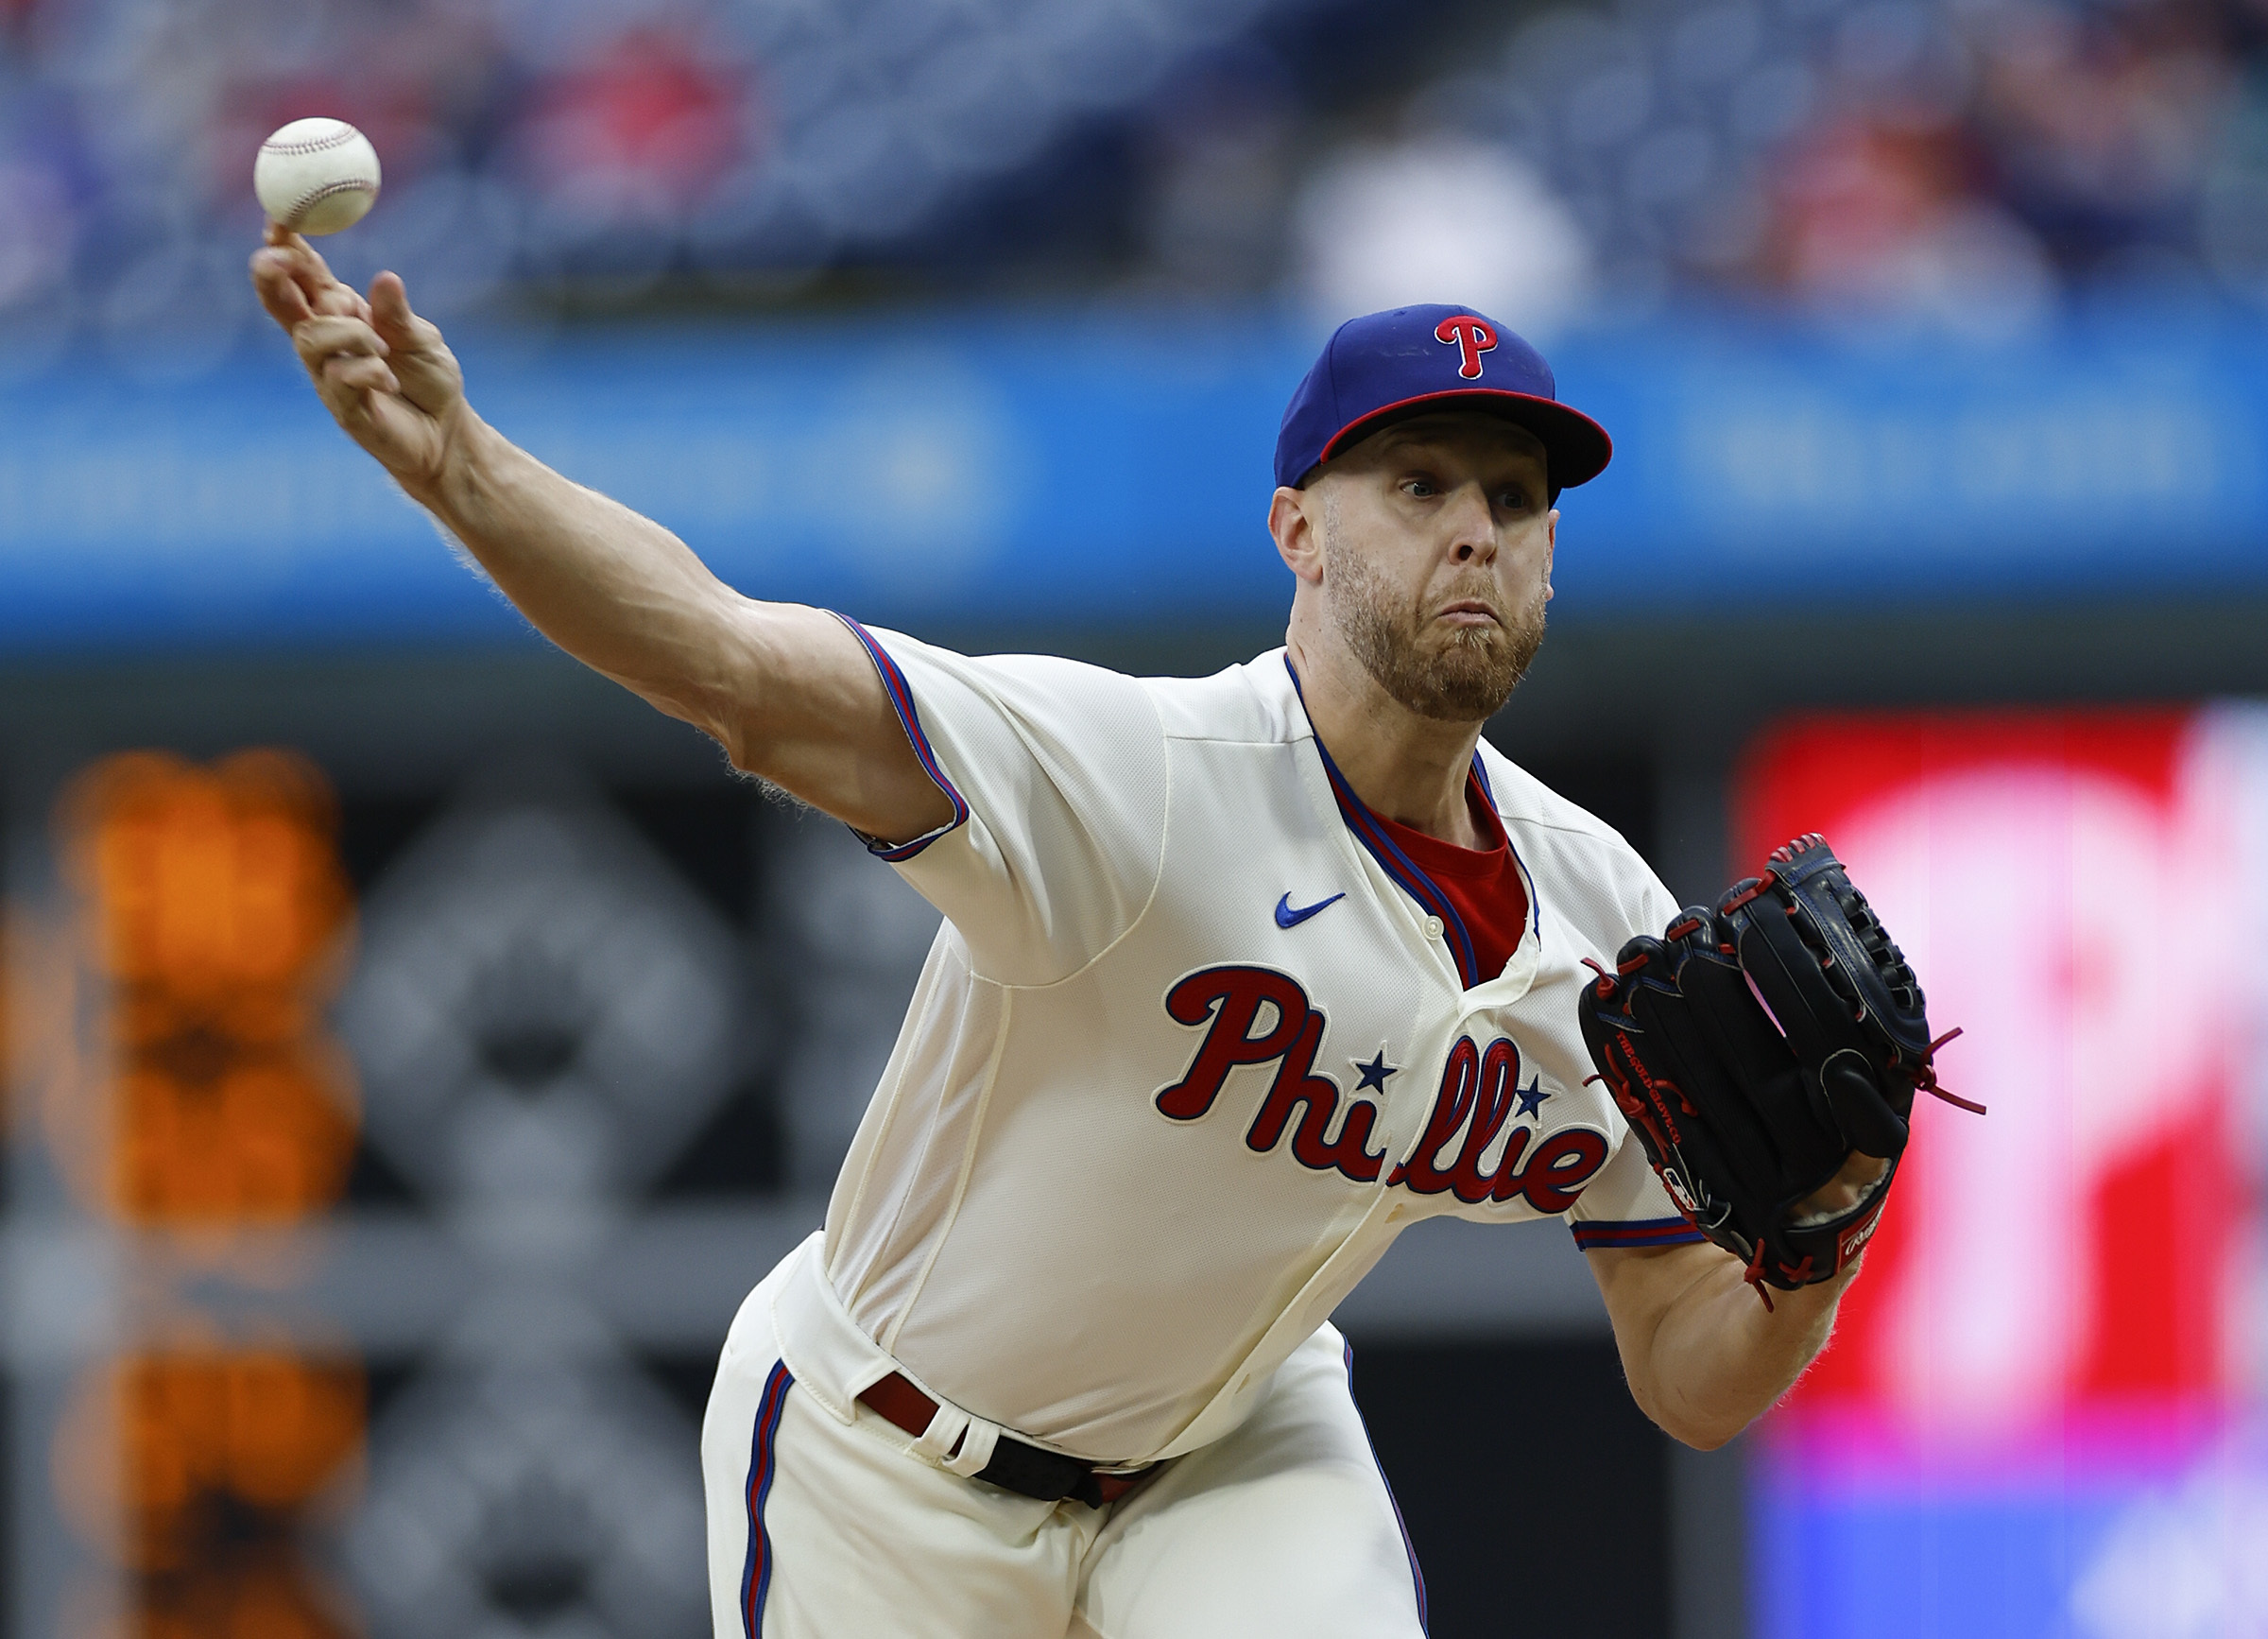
1233 1000
1482 1088
1257 1016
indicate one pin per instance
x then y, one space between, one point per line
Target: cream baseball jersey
1193 1045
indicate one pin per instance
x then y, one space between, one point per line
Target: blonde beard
1466 682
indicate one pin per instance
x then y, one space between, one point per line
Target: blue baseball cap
1410 361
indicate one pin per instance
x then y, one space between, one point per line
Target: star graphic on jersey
1530 1096
1374 1073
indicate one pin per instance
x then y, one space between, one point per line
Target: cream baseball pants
825 1529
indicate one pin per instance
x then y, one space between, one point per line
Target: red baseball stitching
310 145
307 202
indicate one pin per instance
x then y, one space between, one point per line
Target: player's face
1437 541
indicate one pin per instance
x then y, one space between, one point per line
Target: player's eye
1514 500
1420 488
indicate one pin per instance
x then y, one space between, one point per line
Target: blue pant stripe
756 1575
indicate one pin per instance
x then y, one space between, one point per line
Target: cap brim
1576 449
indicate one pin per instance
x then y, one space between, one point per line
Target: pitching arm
786 690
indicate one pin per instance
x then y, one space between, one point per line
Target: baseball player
1238 977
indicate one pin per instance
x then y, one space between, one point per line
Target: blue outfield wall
1088 471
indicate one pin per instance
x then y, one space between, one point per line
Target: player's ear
1293 522
1551 546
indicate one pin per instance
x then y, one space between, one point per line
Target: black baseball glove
1754 1047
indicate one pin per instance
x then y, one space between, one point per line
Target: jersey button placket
1435 943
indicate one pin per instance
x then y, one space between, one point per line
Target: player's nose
1471 523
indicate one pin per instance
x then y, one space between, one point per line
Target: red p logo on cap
1473 337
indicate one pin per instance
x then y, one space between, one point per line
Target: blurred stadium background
415 1048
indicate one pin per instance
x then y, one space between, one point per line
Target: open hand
383 373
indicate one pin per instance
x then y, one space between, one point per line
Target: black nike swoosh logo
1287 917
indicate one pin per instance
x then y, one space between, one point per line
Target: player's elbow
1702 1434
1704 1438
1703 1429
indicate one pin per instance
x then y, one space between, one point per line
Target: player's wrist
467 468
1795 1311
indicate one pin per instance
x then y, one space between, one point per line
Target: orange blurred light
198 1087
258 1596
208 883
214 916
170 1459
265 1141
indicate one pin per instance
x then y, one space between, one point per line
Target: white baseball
316 176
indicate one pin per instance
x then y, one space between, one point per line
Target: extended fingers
280 293
363 373
293 281
323 334
336 297
389 314
428 372
305 262
326 343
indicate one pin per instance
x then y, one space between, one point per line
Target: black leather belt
1026 1470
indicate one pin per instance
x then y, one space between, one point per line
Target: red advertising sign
2066 884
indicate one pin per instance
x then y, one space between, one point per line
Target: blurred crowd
1983 161
1978 161
614 144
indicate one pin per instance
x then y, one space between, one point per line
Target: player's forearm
612 588
1719 1360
